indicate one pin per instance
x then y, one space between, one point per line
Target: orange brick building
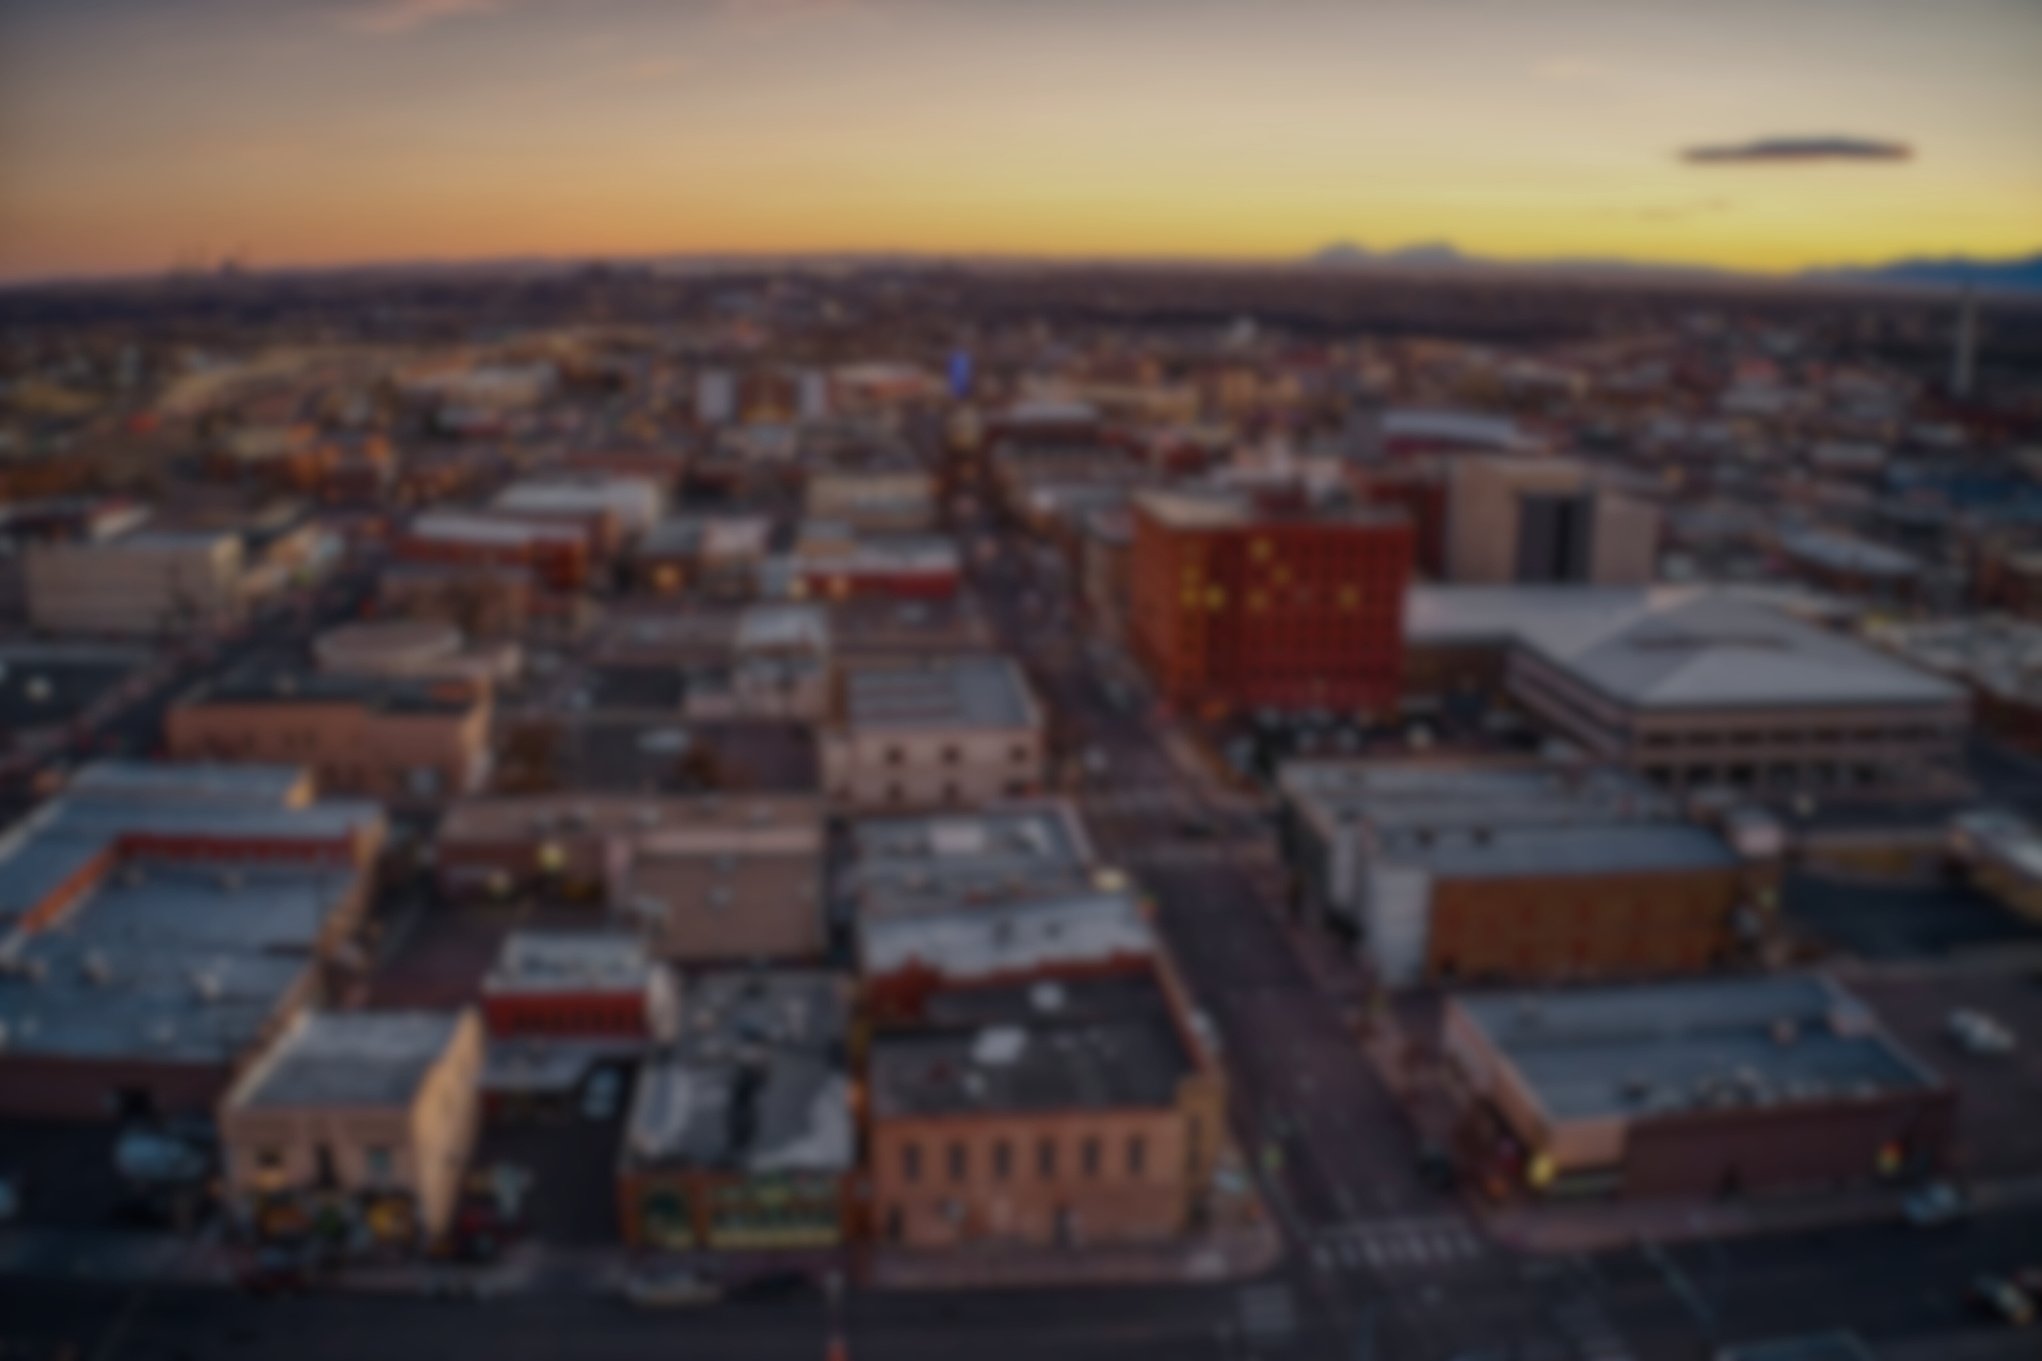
1244 604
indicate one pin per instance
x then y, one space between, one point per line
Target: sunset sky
138 133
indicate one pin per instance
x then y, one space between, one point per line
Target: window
959 1161
378 1163
1045 1157
895 755
1137 1154
1088 1156
951 756
910 1163
1021 752
1003 1160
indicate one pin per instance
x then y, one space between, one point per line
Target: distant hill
2023 275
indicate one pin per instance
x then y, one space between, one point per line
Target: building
1036 1075
831 561
1698 688
145 584
915 866
742 1135
1238 604
159 922
1447 870
2000 853
709 878
1996 658
399 740
893 500
937 732
755 662
555 552
714 555
611 511
1850 566
1545 520
356 1122
418 649
1706 1088
587 984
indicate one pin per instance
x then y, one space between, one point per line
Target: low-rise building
399 740
938 732
1698 688
1703 1088
833 561
1997 658
356 1124
743 1135
2000 852
1082 1109
144 584
417 649
917 865
894 500
765 662
708 877
159 922
1447 870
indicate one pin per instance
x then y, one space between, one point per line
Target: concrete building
159 922
940 732
145 584
1708 1088
1239 604
415 649
557 553
1849 565
2000 853
743 1134
708 877
398 740
717 665
894 500
1996 658
363 1120
561 1006
1700 689
1545 520
832 561
1449 870
915 866
1085 1108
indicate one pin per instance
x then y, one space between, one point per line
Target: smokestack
1964 359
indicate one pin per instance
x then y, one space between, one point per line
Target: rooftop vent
999 1046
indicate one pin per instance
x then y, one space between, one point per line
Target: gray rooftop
974 690
902 866
1614 848
756 1080
1388 795
1081 1044
983 941
569 961
1638 1051
348 1058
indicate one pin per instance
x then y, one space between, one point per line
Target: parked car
602 1095
274 1271
671 1289
1934 1205
1999 1298
1977 1033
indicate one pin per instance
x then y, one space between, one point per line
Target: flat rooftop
167 962
514 817
905 866
1081 1044
1221 509
756 1079
1391 796
977 690
266 684
1996 653
536 962
994 940
1657 1049
348 1059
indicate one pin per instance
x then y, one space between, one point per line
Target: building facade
955 731
1237 606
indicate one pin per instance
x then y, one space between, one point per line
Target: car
1999 1298
1977 1033
1934 1205
670 1289
602 1095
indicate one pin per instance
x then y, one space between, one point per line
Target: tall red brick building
1248 603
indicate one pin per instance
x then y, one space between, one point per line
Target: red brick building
1273 603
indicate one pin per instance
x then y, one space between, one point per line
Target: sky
1752 134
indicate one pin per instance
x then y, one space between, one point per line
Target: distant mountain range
2020 275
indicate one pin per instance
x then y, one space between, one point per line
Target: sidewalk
1235 1253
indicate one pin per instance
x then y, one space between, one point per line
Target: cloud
1798 150
402 16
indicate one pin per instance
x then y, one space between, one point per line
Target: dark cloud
1784 150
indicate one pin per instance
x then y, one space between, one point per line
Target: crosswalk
1410 1244
1268 1313
1588 1327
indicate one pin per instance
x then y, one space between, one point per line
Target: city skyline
1766 138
